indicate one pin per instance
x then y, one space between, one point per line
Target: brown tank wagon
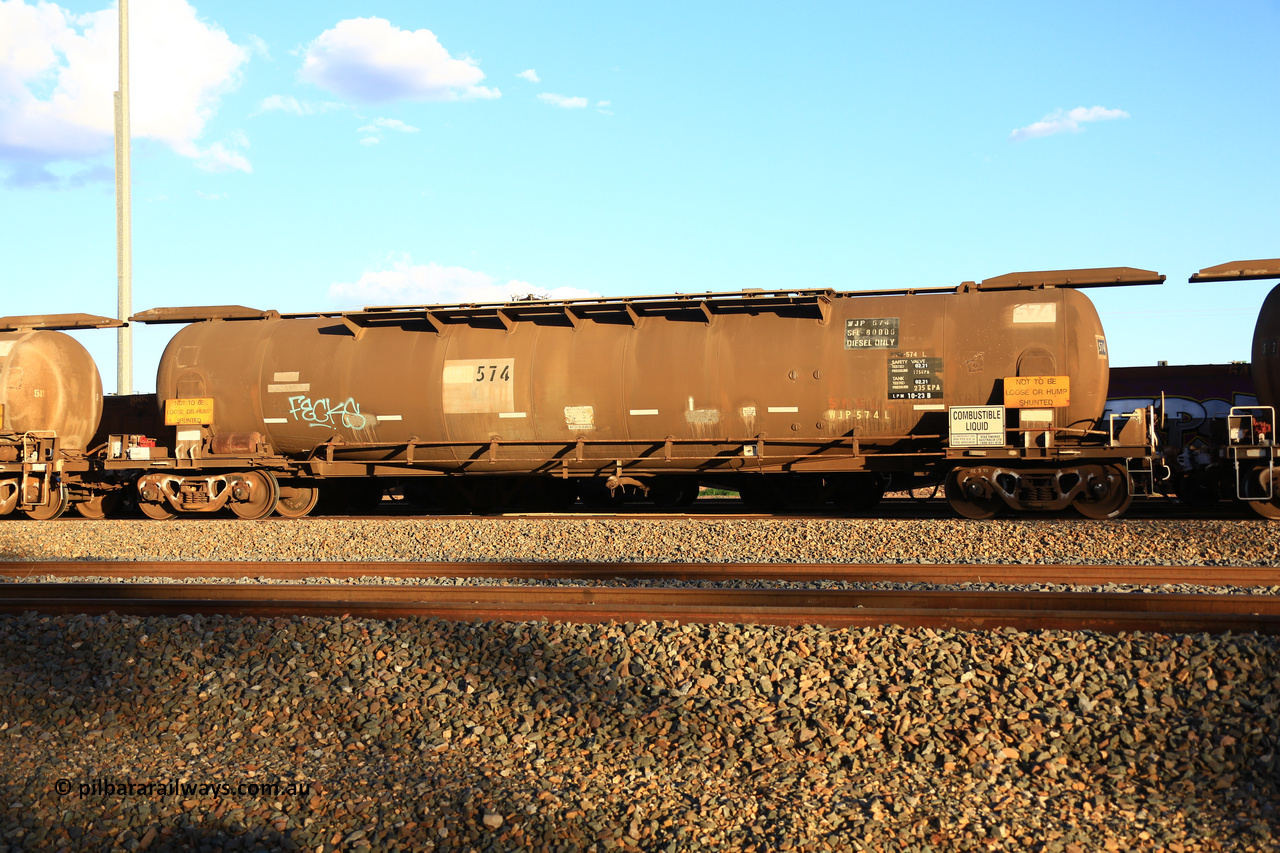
50 405
1249 447
996 388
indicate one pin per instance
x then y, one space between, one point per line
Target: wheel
1270 508
1106 493
56 507
100 505
263 495
156 510
296 500
971 496
8 496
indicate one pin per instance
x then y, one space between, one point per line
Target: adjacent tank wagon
996 388
50 405
1247 451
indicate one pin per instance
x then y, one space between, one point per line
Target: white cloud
373 132
394 124
562 101
370 61
1065 121
290 104
530 75
407 283
259 46
225 156
285 104
58 71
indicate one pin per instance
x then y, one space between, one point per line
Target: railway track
1004 573
898 508
970 610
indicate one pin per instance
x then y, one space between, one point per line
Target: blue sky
324 155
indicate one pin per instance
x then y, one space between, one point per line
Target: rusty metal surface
1239 576
1101 277
1239 271
1265 353
1102 612
160 316
53 322
49 383
725 371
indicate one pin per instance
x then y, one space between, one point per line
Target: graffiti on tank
322 412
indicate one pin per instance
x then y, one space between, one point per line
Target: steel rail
1105 612
1241 576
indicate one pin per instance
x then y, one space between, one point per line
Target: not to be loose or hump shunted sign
977 426
1037 392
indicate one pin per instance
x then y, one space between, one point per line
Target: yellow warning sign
188 410
1037 392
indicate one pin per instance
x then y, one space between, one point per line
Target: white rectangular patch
929 407
388 417
5 346
295 388
476 386
275 420
188 435
287 377
784 408
511 414
644 411
1036 312
580 417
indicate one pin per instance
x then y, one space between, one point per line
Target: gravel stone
1230 542
354 734
421 733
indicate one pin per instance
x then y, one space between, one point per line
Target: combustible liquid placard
977 426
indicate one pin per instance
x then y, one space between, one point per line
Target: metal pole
124 239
